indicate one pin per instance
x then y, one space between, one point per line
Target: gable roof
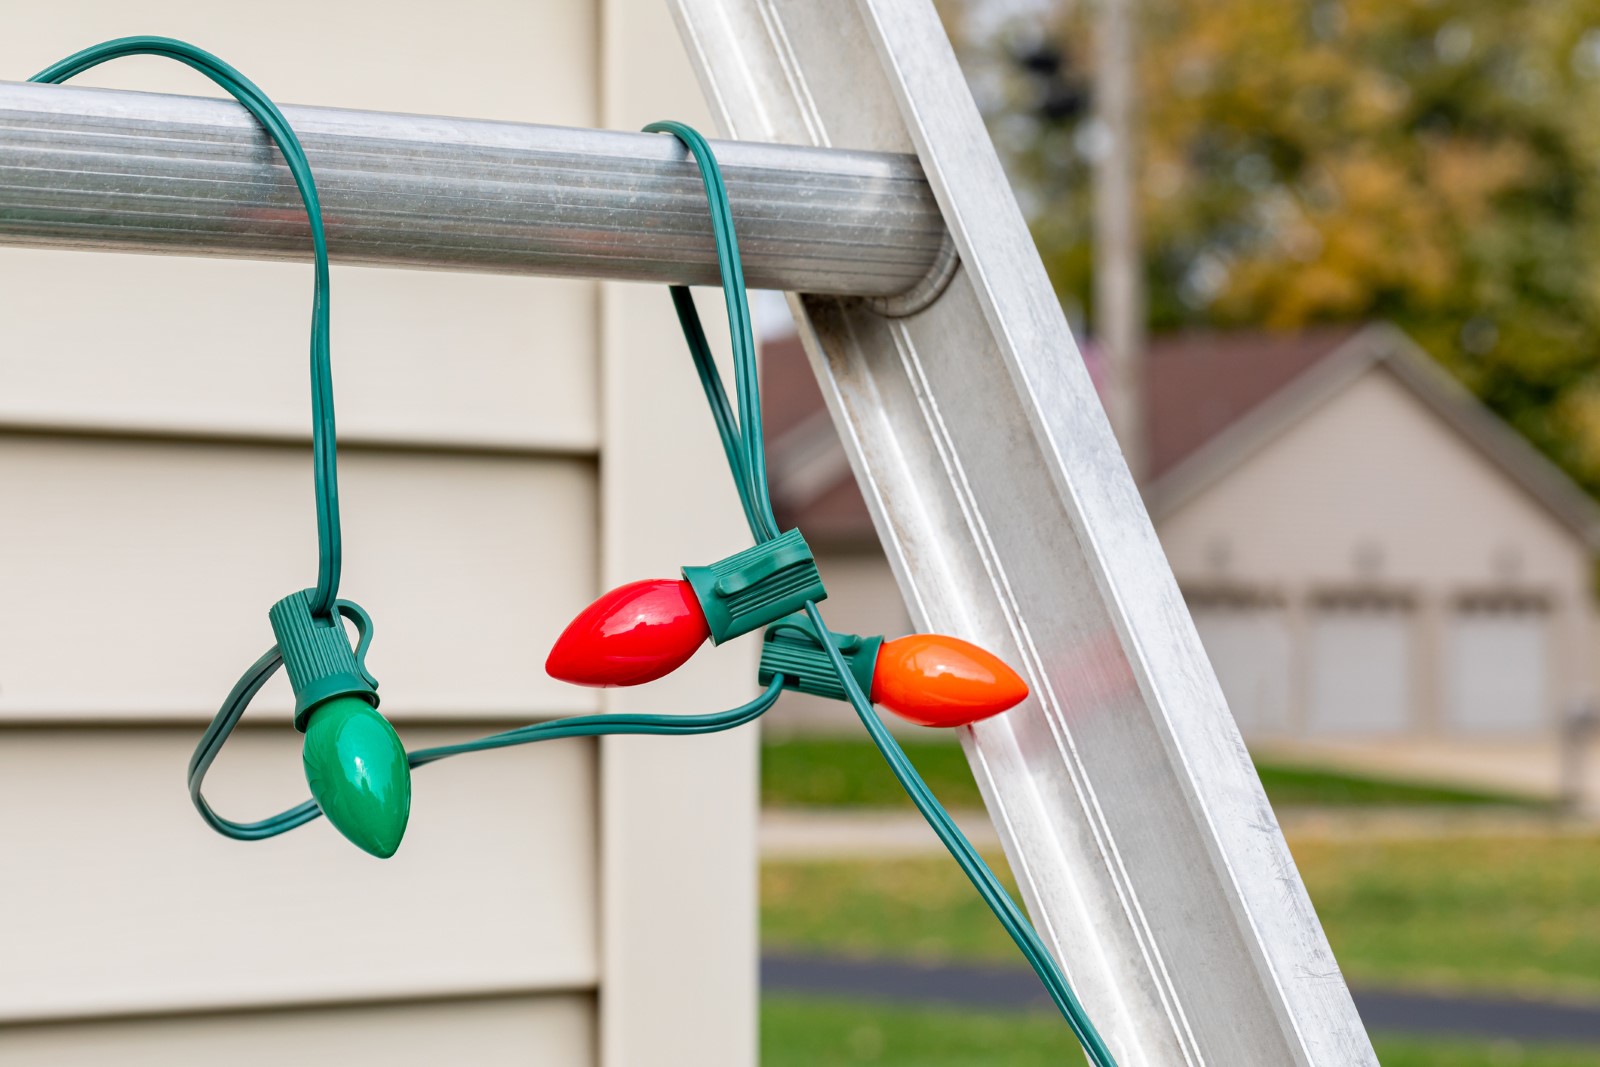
1213 398
1379 345
1200 382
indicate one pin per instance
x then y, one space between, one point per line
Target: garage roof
1214 397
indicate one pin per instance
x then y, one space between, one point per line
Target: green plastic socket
757 586
317 654
791 650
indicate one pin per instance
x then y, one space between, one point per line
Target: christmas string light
355 764
928 679
358 771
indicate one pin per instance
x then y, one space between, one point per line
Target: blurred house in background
1367 551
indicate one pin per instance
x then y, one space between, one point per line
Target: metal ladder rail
1129 808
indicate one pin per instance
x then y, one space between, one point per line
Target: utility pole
1119 300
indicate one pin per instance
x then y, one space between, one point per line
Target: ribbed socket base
317 655
757 586
791 650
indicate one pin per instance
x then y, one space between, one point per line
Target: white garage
1360 664
1433 574
1248 640
1498 664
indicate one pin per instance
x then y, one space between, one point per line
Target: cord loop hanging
323 436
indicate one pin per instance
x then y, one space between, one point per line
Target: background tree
1432 162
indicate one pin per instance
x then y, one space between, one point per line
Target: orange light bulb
934 680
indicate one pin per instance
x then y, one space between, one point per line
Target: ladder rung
142 172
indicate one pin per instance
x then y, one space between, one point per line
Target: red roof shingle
1197 384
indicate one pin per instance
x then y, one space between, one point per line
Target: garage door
1360 665
1497 665
1247 639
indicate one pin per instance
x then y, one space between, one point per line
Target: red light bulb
933 680
634 634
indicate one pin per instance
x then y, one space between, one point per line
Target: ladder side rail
1144 845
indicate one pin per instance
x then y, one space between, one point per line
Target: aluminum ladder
865 185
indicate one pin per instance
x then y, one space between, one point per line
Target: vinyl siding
135 906
493 1032
136 575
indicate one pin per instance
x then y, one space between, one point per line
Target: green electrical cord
967 858
749 473
233 708
242 89
743 446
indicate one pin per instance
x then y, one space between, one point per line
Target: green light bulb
357 770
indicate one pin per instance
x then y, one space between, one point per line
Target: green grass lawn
1517 913
1514 913
847 772
918 909
803 1032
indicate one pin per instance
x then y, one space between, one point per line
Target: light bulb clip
317 655
760 585
792 650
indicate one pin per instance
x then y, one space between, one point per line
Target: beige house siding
512 446
139 908
1371 491
218 347
469 564
493 1032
